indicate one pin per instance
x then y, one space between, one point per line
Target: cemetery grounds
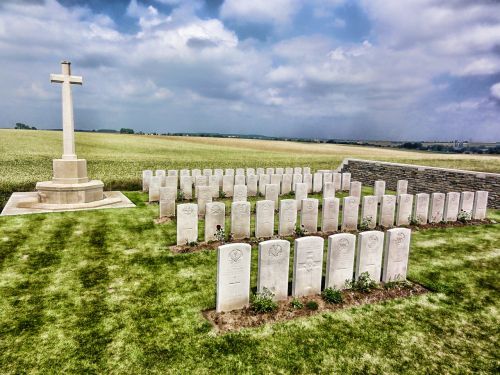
102 292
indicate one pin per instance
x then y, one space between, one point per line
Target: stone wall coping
420 167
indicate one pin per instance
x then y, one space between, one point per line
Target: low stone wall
423 179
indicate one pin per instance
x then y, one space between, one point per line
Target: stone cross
68 123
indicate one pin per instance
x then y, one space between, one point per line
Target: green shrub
464 216
296 304
263 302
365 224
222 194
363 284
332 295
300 231
312 305
399 284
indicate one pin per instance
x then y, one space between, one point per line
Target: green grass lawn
100 292
118 159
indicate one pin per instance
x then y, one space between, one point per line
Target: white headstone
214 216
337 181
199 181
259 171
355 189
346 181
240 193
276 180
402 187
195 173
369 254
228 185
161 173
250 171
289 171
272 193
330 215
240 171
306 170
269 171
229 172
297 170
187 187
207 172
280 171
233 276
340 260
436 209
185 172
300 193
479 210
369 208
172 172
240 220
264 179
168 195
187 223
296 179
307 179
467 202
350 210
317 182
240 179
379 189
252 180
451 205
264 219
327 177
154 188
421 208
204 197
171 181
274 260
387 211
286 184
287 217
307 266
396 252
213 183
309 215
329 190
404 209
146 177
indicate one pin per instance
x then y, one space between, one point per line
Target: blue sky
362 69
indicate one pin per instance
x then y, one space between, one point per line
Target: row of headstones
432 208
255 184
344 261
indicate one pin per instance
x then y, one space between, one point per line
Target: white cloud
261 11
495 91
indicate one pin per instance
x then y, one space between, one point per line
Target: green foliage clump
263 302
222 194
363 284
312 305
300 231
296 304
332 295
464 216
397 284
365 223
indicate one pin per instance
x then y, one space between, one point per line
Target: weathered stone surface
240 172
369 208
199 181
387 210
240 220
214 216
306 170
239 193
168 195
296 179
204 197
185 172
264 219
213 183
346 181
329 190
171 181
287 217
274 260
297 170
229 172
480 205
317 182
154 188
187 187
402 187
172 172
260 171
276 180
369 254
307 179
330 215
161 173
307 266
327 177
207 172
264 179
289 171
286 184
252 180
228 185
269 171
240 179
337 181
187 223
404 209
355 189
300 193
280 171
233 276
436 209
467 202
195 173
451 206
421 208
219 172
146 178
309 215
272 193
396 252
250 171
379 189
340 260
350 210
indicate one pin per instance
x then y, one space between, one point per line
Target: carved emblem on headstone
235 255
188 210
275 250
344 245
372 241
400 239
216 210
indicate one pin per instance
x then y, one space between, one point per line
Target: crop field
26 156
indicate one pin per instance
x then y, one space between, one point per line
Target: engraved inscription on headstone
273 264
369 254
287 217
340 260
187 223
214 216
396 251
330 215
240 220
307 266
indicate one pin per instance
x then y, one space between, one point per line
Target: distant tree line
20 125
